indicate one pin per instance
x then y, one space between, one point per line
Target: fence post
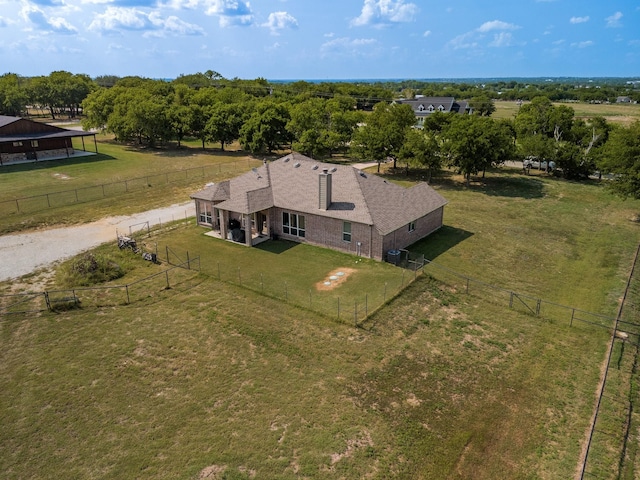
338 308
573 312
166 272
188 261
355 313
127 289
48 202
538 307
47 301
167 249
17 205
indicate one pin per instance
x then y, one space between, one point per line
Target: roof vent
286 159
296 165
334 169
362 174
315 167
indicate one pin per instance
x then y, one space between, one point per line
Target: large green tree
621 157
266 128
384 132
471 144
224 123
13 95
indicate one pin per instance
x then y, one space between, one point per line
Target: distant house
623 100
425 106
23 140
335 206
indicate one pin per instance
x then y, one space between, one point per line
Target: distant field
622 114
212 380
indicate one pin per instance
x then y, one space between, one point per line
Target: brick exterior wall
327 232
402 238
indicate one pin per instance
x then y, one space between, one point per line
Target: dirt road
24 253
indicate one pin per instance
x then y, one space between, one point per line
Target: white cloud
347 46
381 12
427 33
3 22
502 39
614 20
279 21
576 20
115 19
496 25
118 18
33 14
473 38
231 12
585 44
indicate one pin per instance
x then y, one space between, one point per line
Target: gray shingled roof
292 183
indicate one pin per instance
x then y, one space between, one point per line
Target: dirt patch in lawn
335 278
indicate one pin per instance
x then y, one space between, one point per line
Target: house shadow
55 163
440 241
276 246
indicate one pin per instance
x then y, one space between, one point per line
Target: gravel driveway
24 253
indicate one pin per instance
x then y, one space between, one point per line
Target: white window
421 108
412 226
34 143
293 224
17 144
431 108
346 231
441 108
205 213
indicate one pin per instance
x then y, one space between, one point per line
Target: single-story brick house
23 140
335 206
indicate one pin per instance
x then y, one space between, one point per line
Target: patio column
247 229
224 220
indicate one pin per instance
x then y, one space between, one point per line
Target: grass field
616 113
216 379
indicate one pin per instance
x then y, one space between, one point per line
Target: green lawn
224 375
617 113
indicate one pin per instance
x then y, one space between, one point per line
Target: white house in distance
336 206
425 106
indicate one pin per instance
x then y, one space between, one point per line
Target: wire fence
58 300
91 193
612 450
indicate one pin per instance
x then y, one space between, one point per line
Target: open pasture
216 379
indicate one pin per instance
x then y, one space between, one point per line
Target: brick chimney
324 198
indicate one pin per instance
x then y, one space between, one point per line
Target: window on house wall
293 224
412 226
430 108
206 215
346 231
440 108
34 143
17 144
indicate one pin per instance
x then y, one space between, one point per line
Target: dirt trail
24 253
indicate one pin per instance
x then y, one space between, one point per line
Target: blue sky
322 39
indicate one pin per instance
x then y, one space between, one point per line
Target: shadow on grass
276 246
496 182
439 242
62 162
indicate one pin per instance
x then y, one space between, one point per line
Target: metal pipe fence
97 192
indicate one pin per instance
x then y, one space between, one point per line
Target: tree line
324 119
